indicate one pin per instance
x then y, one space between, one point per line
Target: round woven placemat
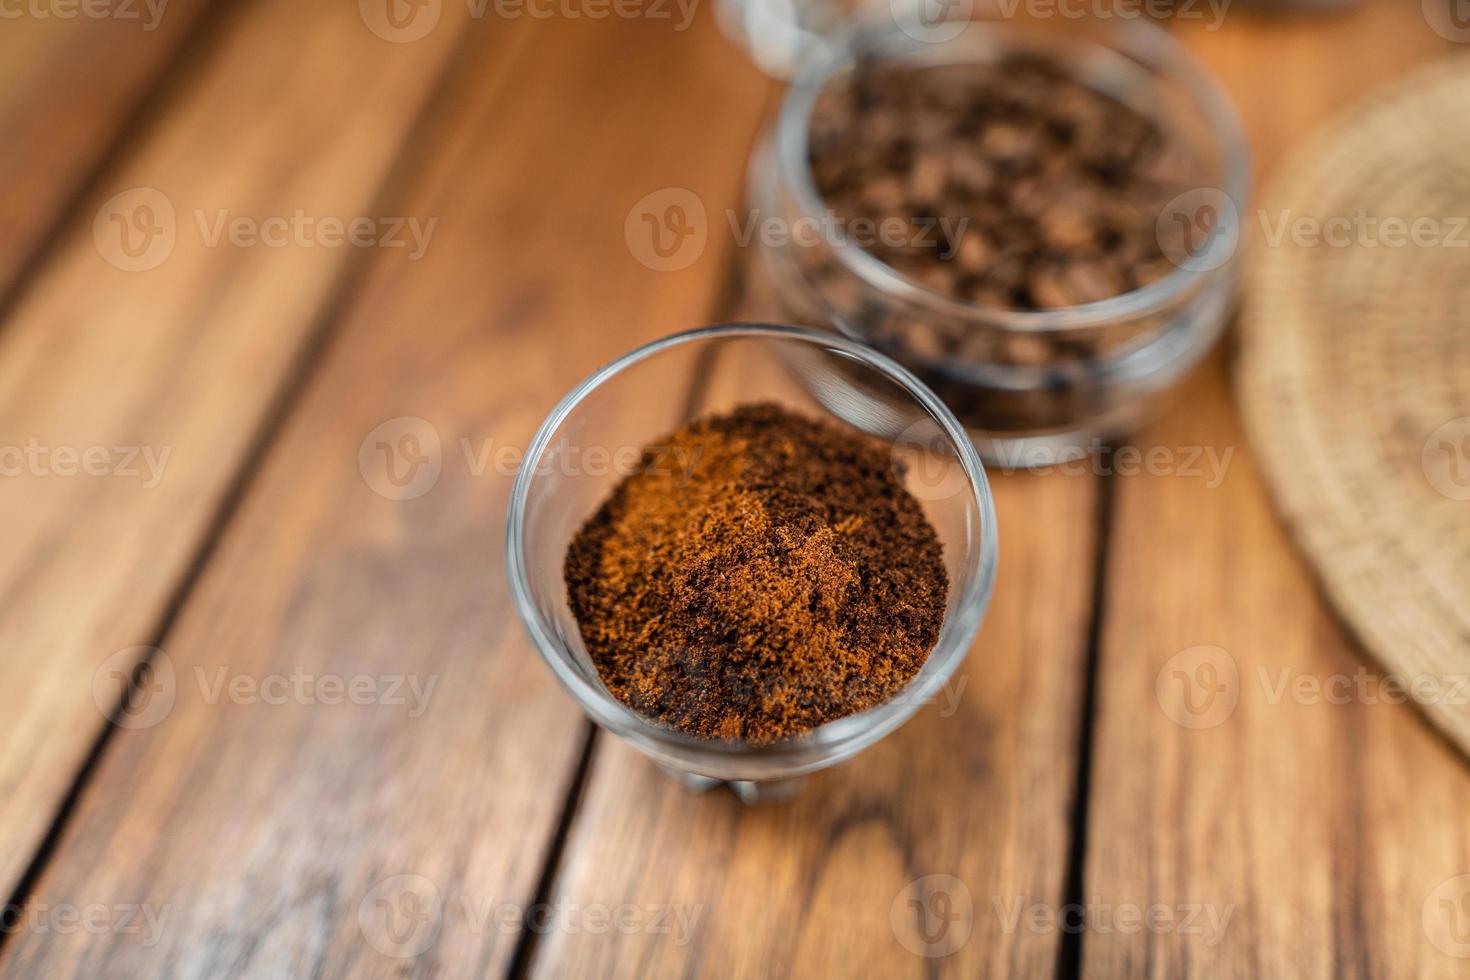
1355 374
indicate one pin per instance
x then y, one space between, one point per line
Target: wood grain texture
162 375
1242 769
67 87
965 810
278 834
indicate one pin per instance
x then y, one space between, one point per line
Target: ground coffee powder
759 574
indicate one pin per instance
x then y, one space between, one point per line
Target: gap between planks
409 164
1069 951
726 307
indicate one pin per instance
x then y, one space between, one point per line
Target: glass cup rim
835 739
1152 45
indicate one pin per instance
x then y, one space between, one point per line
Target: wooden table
190 508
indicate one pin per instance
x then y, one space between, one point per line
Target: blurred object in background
779 33
775 32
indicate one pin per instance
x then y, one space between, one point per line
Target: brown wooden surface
975 790
68 89
185 358
288 816
1321 829
281 839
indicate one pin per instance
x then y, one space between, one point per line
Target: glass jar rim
1149 45
835 739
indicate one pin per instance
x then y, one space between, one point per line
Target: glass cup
1033 387
594 438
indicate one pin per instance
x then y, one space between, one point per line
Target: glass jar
646 394
1033 387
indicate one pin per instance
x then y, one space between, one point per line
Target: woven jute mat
1355 374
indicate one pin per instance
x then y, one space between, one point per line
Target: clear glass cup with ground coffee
603 431
1040 220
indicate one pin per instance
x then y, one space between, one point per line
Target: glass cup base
751 793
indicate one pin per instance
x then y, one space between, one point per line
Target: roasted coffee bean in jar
1041 223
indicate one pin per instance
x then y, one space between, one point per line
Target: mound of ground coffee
759 574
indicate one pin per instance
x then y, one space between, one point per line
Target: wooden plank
965 809
278 834
132 386
67 86
1328 838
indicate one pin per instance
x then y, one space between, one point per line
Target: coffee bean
1052 191
974 252
927 178
1027 349
923 340
1066 228
883 194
